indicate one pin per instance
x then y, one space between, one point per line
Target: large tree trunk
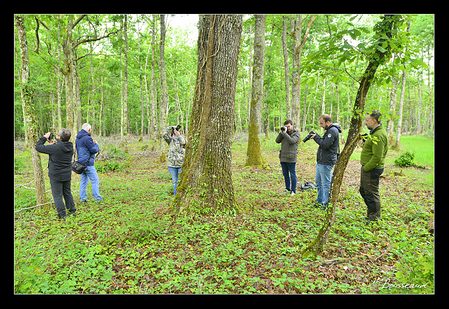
253 153
206 180
29 115
387 26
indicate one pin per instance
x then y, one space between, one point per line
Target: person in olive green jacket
372 159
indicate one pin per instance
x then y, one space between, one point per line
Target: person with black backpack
326 157
59 169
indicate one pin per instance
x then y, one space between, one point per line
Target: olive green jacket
374 149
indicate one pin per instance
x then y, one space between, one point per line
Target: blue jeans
323 179
174 171
90 173
289 172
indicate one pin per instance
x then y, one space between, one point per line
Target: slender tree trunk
286 69
101 130
386 27
153 91
163 78
29 116
206 180
397 144
390 123
401 103
125 115
296 74
419 109
253 152
323 98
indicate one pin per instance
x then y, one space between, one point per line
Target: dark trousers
289 172
60 189
369 190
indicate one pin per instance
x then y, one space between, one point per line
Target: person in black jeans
59 170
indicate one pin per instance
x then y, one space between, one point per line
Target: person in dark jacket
288 138
86 149
59 170
326 157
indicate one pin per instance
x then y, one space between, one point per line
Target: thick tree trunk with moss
386 28
253 153
206 179
29 112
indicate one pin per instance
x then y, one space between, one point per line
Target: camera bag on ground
308 185
78 167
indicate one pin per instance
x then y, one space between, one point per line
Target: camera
283 129
177 128
309 136
52 136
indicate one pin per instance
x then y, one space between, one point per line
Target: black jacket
59 158
329 147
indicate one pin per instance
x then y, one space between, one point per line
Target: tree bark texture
206 180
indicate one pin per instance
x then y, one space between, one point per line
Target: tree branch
37 36
78 20
306 34
95 39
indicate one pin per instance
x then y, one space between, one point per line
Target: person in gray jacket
288 138
326 157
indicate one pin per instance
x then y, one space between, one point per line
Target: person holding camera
288 137
372 159
59 169
326 157
86 148
176 152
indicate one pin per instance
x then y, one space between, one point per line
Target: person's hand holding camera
47 135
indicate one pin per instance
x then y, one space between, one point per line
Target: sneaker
292 193
286 191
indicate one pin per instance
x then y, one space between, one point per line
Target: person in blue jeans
288 137
326 157
176 153
86 149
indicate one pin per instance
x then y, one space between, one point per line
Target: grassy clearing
130 243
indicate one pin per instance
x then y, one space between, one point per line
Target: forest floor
130 244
